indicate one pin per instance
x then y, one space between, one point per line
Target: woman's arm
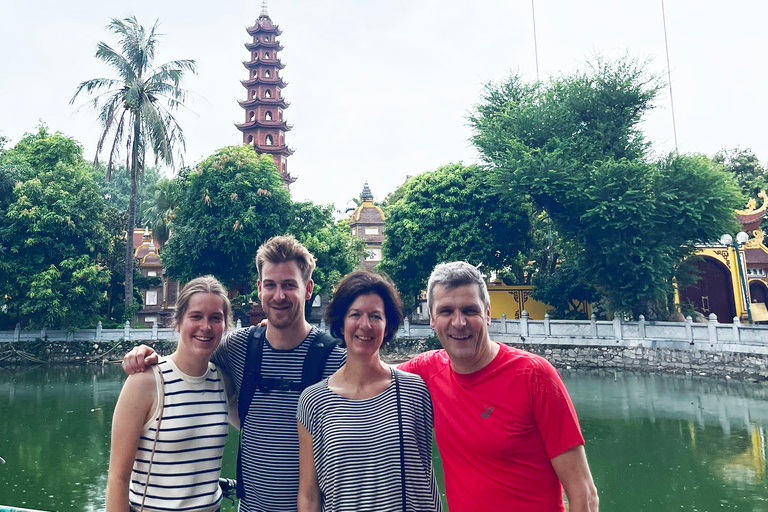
136 404
309 490
229 388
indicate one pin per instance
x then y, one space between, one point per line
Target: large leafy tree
451 214
575 147
330 242
52 235
136 109
231 202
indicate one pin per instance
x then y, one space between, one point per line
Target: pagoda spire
366 195
264 127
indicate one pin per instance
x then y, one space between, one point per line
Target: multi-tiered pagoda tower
264 126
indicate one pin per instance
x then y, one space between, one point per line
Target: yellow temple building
733 272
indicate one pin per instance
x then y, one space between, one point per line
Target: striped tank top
187 461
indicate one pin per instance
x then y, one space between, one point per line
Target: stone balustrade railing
688 335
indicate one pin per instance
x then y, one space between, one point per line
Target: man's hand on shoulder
139 359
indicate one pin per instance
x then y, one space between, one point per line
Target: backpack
311 372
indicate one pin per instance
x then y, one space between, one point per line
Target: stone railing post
524 324
617 327
547 328
43 332
154 330
239 324
689 329
641 326
17 332
127 330
736 331
322 324
407 326
712 328
504 322
99 328
593 325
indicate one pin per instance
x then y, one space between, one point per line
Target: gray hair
455 274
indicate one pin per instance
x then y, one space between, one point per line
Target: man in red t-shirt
507 431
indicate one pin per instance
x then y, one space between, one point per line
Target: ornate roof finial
366 195
264 8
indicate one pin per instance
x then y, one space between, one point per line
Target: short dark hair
364 282
285 248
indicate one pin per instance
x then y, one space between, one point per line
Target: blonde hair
203 284
285 248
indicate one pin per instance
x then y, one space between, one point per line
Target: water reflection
655 442
661 442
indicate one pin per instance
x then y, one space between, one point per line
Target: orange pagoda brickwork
264 127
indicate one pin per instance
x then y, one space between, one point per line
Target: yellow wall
512 300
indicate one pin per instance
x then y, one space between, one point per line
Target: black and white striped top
356 445
187 459
270 442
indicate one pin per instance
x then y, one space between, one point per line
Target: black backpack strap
254 347
317 356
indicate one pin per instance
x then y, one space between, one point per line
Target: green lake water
654 442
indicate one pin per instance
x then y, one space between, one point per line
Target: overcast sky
381 89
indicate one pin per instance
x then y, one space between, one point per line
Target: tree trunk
131 219
129 242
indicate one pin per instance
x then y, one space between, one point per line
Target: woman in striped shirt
365 433
170 424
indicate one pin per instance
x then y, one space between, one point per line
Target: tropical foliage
573 145
136 109
451 213
229 204
52 235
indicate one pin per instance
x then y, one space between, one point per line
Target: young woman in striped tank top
170 423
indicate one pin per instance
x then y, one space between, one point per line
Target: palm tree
158 210
136 108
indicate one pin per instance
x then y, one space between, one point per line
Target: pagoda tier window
253 93
253 74
268 116
266 55
250 139
268 140
267 93
267 74
251 115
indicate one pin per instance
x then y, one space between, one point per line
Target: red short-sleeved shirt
498 428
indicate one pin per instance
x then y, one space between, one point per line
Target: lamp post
741 238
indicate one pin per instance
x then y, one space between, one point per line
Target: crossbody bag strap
157 434
402 441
